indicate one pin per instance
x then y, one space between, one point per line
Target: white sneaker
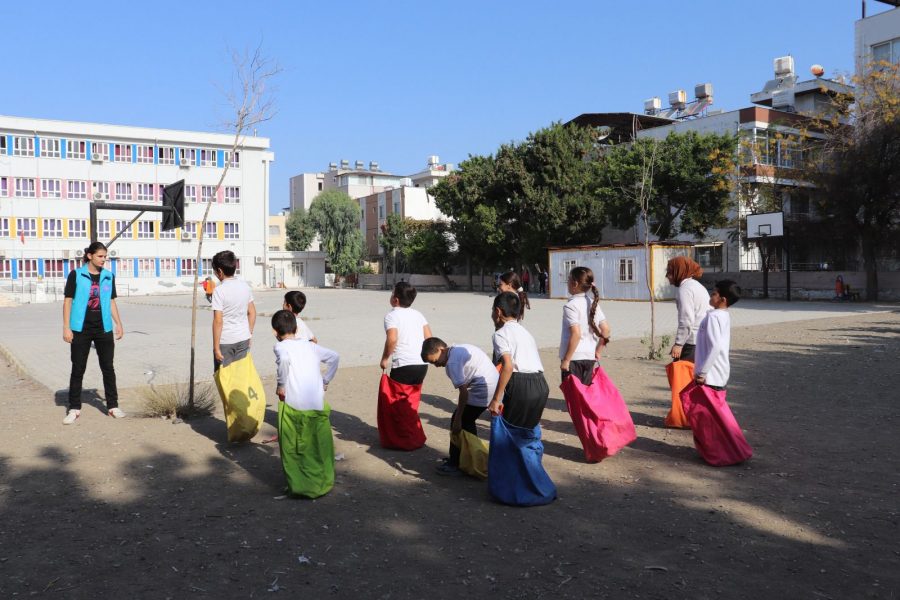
71 416
116 413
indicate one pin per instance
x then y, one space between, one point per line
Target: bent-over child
304 425
472 373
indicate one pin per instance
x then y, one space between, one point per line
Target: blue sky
398 81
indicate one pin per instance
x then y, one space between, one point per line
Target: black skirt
524 399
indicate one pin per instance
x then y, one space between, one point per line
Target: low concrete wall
809 285
424 282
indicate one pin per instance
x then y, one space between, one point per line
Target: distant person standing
89 313
209 287
234 313
526 280
542 280
691 303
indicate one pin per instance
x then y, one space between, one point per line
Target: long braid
593 312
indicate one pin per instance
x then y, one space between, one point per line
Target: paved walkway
157 329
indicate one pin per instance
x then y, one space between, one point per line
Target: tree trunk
469 272
764 258
870 263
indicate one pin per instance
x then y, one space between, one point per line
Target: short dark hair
432 345
405 294
729 290
92 249
284 322
224 261
296 300
509 304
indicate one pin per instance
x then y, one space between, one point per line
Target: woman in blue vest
89 312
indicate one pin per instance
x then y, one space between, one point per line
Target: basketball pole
787 259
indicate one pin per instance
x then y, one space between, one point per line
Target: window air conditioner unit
96 157
113 253
185 236
79 253
257 260
100 196
184 163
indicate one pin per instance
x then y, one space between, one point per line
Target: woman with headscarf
691 301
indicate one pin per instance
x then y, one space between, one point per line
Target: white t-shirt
513 339
713 346
303 330
231 298
469 366
692 304
576 312
410 325
297 370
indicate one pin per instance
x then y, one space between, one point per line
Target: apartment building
877 36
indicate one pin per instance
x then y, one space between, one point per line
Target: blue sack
515 473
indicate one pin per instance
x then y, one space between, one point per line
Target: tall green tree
857 166
393 239
335 217
299 231
429 249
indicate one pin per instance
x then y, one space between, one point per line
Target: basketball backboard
765 225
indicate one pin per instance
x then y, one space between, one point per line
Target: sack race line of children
511 387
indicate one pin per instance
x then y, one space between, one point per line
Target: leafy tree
394 239
335 217
429 247
857 166
300 232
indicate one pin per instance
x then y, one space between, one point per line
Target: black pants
410 374
469 416
81 347
524 399
581 369
687 352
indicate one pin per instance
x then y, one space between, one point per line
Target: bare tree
643 193
250 99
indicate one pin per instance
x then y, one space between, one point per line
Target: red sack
399 426
680 374
717 435
599 414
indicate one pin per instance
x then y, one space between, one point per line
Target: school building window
167 235
103 229
190 228
4 186
207 158
187 156
23 146
101 149
146 267
237 266
123 191
190 193
274 230
24 187
206 265
888 51
145 192
188 266
207 193
76 189
626 270
168 267
166 155
77 228
122 152
5 268
232 231
146 230
52 228
233 159
232 195
100 190
54 268
145 154
4 227
51 188
124 268
26 227
209 229
76 149
28 268
3 147
50 148
297 269
127 232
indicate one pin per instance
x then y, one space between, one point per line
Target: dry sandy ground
142 508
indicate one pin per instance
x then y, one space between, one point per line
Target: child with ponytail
584 327
510 282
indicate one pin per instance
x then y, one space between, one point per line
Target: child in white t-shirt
711 363
295 301
472 373
584 328
301 384
405 330
234 313
522 390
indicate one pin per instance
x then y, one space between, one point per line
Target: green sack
307 450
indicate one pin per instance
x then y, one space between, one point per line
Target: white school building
50 172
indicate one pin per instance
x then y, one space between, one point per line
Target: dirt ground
142 508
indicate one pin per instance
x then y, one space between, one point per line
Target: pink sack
717 435
599 414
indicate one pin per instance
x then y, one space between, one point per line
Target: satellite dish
817 70
603 132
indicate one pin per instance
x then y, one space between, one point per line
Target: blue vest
82 295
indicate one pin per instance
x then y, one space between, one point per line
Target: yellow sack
243 397
473 454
